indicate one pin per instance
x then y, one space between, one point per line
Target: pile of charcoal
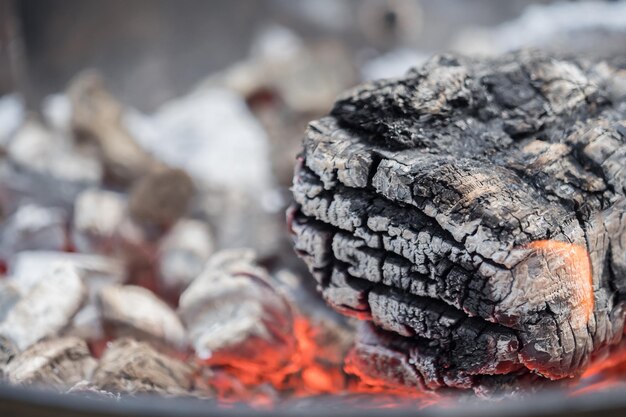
148 253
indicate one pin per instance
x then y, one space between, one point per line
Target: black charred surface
475 209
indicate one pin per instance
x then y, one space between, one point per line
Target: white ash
233 303
46 167
394 63
212 135
135 311
183 253
47 309
53 363
547 26
33 227
9 296
132 367
12 113
28 268
229 259
97 216
57 112
240 218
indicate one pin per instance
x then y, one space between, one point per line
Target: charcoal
160 198
240 219
9 296
53 363
88 390
12 113
45 167
87 323
97 118
135 245
132 367
183 253
8 350
135 311
97 216
233 311
33 227
46 309
28 268
473 208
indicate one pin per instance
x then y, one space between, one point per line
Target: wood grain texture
476 208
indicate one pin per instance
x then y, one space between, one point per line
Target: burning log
131 367
474 210
54 363
135 311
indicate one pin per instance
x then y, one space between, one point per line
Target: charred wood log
476 209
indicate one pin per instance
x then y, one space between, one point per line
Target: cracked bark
474 210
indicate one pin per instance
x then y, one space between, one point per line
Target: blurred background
95 92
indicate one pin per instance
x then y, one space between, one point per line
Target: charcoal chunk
131 367
135 311
47 309
54 363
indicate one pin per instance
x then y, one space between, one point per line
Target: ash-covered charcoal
47 309
53 363
28 268
235 316
8 350
31 267
475 207
9 296
97 118
135 311
98 214
33 227
45 167
131 367
160 198
87 389
183 253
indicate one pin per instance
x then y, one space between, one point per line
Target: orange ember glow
574 263
605 373
314 369
305 373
